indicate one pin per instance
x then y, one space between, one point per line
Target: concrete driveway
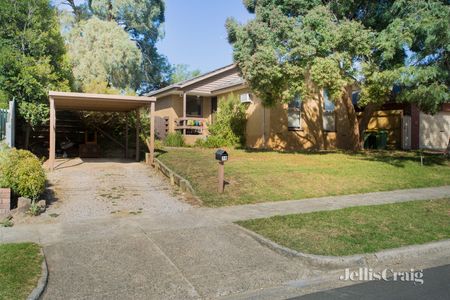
92 188
121 232
135 258
158 247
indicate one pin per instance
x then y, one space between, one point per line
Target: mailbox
221 155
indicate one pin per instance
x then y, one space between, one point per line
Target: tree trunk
27 137
352 119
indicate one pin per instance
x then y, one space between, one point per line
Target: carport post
52 150
184 112
138 125
126 135
152 132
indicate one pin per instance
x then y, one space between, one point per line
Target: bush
22 171
211 141
228 129
159 144
174 139
35 209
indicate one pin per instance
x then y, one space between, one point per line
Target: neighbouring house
190 106
434 130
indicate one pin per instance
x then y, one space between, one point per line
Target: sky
195 32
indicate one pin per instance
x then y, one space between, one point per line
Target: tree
102 52
32 57
142 20
302 46
181 72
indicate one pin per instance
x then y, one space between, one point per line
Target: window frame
295 109
328 113
200 106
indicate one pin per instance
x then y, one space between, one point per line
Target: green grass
273 176
20 269
358 230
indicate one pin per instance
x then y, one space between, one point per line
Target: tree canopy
32 56
301 46
101 51
142 20
375 44
182 72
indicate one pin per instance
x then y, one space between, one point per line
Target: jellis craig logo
368 274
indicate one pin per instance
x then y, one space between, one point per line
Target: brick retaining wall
5 201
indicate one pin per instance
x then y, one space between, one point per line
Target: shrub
35 209
228 130
22 171
174 139
211 141
159 144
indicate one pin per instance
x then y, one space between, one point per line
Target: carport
102 103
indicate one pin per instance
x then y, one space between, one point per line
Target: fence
8 124
3 120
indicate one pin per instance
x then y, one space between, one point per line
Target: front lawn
273 176
357 230
20 269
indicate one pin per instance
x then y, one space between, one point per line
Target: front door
213 109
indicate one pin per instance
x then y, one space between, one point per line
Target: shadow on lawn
394 158
399 159
159 152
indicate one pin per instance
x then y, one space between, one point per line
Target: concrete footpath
268 209
189 254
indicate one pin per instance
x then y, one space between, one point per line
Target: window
328 105
328 119
194 106
294 113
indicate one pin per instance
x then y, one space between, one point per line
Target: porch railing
190 125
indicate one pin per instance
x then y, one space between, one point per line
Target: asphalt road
436 286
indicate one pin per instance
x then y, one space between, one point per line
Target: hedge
21 171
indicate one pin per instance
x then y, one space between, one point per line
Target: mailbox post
222 157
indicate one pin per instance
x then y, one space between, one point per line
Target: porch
189 114
190 106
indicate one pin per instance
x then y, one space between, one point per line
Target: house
434 130
318 123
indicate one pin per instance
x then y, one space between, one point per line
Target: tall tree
101 52
182 72
142 20
301 46
32 56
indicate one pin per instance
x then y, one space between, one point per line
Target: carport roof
98 102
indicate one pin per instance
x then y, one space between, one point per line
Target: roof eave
230 88
208 75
